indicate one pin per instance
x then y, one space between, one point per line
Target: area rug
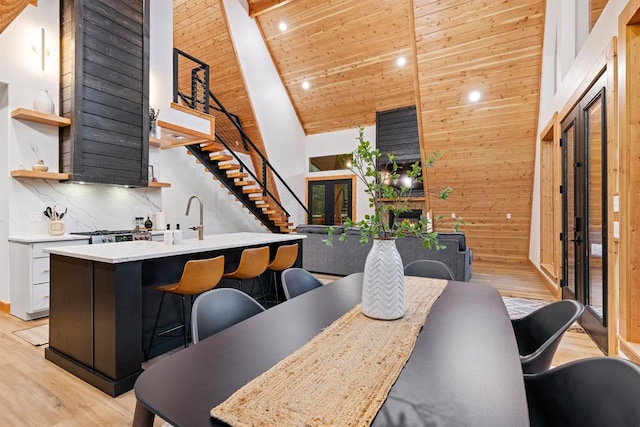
520 307
38 335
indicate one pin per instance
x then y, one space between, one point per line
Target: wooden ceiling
200 29
10 9
347 51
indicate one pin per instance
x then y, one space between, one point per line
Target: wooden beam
256 7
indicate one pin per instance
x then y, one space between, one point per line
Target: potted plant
153 121
383 272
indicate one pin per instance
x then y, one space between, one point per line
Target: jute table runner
342 376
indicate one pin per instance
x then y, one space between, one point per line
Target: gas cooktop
103 232
108 236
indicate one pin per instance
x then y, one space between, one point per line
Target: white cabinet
29 276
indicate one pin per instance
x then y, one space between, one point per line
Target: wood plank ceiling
10 9
347 51
200 29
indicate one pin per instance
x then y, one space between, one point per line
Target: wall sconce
41 50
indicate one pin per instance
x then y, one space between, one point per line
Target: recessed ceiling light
474 96
305 85
283 26
401 61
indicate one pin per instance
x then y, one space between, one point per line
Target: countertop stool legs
198 276
286 256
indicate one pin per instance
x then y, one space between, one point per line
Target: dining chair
297 281
286 256
429 268
539 333
218 309
253 262
592 392
198 276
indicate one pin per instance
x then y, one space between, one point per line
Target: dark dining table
464 370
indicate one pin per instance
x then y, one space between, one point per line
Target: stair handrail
193 103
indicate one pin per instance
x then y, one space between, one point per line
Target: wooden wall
489 146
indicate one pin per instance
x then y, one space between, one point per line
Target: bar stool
198 276
253 262
286 256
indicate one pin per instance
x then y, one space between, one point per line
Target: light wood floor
520 280
35 392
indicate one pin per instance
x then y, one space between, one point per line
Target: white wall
341 142
4 193
592 49
282 133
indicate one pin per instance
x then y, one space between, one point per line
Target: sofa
347 257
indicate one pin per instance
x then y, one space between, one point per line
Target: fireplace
413 215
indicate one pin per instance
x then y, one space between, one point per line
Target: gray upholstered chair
429 268
296 281
592 392
219 309
538 334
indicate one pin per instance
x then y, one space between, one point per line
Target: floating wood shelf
24 173
38 117
177 136
159 184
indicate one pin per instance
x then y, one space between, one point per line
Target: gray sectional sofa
349 256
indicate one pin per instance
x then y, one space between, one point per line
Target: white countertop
46 238
114 253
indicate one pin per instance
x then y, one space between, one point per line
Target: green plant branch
385 198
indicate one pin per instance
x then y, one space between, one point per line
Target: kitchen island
103 304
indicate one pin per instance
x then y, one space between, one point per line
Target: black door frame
329 184
596 324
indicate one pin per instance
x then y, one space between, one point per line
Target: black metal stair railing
230 134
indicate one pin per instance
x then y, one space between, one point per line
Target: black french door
584 237
329 201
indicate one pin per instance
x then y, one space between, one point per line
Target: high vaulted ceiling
347 51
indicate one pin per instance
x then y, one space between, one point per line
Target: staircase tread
229 166
237 174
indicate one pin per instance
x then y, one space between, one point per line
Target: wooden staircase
226 169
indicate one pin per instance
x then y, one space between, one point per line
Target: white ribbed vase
383 282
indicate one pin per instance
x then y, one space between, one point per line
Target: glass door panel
329 201
342 203
317 206
597 214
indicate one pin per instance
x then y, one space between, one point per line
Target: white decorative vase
43 103
383 282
